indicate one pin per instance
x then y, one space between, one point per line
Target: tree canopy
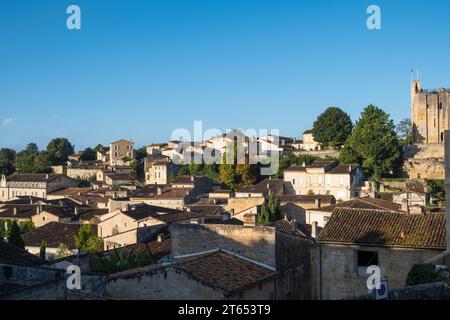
7 159
86 241
88 154
14 237
59 150
332 127
373 143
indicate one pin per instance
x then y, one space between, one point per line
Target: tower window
442 137
440 105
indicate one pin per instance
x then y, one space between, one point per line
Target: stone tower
430 113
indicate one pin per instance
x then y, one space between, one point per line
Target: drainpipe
320 271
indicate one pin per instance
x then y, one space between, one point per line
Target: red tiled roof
384 228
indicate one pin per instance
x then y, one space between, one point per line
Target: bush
424 273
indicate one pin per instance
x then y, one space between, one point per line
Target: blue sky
141 68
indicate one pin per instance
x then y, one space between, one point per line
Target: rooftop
54 233
217 269
386 229
10 254
364 203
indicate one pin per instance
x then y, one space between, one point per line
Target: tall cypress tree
15 237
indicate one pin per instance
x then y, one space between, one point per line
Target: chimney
294 225
31 200
14 211
76 211
303 164
349 168
160 238
159 190
268 185
318 203
250 219
188 209
405 205
192 178
47 176
314 229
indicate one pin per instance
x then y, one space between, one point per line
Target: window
440 105
365 259
44 218
442 137
7 272
289 280
293 181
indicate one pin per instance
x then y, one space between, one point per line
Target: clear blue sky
140 69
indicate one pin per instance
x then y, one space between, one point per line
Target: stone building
324 178
120 149
430 113
33 184
216 275
391 240
283 247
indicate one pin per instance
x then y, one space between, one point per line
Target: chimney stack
159 190
15 211
405 205
314 229
160 238
318 203
192 178
76 211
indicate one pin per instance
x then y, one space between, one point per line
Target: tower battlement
430 110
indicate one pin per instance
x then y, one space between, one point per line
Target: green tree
63 251
42 163
5 228
140 153
228 176
42 250
332 127
423 273
26 226
59 150
31 160
88 155
122 260
263 218
436 188
15 237
86 241
404 131
7 158
274 209
195 169
374 143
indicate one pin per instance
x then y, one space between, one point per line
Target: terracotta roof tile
383 228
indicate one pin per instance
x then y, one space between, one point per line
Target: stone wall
257 243
296 263
237 205
339 273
